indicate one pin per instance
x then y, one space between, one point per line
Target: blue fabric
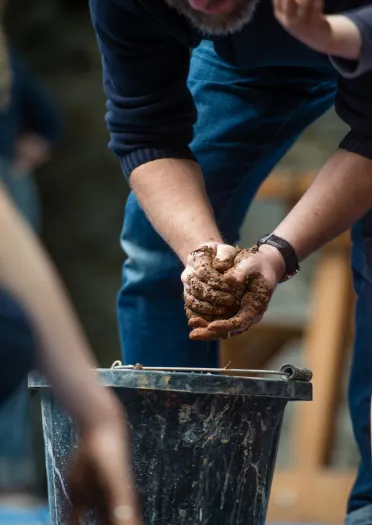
362 516
248 118
23 190
360 388
15 516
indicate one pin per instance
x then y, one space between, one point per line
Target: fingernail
123 513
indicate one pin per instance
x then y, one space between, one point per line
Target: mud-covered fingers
204 292
187 273
197 321
225 257
203 334
205 308
252 306
202 263
259 285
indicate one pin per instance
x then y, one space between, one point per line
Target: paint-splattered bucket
204 445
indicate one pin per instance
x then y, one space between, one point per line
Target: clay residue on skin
214 309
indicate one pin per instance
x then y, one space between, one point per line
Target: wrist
108 415
275 259
344 40
190 247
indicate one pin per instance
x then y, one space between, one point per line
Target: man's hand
32 151
304 20
334 35
100 478
228 290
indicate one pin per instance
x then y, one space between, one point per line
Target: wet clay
215 304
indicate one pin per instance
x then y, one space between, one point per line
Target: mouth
212 8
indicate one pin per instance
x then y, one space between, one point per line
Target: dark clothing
145 47
30 109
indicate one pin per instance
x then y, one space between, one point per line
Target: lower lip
223 7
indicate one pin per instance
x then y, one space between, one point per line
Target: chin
222 24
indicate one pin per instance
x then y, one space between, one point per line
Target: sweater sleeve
150 109
354 105
362 18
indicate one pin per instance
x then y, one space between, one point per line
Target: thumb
124 515
225 256
120 490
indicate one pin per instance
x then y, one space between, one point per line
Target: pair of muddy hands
226 295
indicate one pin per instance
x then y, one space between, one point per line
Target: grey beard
217 25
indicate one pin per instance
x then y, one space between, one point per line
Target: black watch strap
289 255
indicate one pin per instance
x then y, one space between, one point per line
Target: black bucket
203 445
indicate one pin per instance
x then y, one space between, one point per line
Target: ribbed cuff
348 68
358 143
142 156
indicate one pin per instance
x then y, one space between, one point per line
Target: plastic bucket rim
195 383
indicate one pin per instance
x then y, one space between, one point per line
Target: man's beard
220 24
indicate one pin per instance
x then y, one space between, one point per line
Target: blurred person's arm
345 37
65 357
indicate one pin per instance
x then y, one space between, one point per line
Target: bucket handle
287 371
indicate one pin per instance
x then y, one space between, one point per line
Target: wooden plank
289 187
324 353
286 185
319 496
255 348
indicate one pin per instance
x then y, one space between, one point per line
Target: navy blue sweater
145 49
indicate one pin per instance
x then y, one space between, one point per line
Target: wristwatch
289 255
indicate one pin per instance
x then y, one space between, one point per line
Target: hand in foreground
304 20
100 478
227 290
32 151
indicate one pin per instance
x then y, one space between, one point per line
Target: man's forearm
173 196
340 195
27 272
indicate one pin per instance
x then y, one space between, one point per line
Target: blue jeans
24 192
247 120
